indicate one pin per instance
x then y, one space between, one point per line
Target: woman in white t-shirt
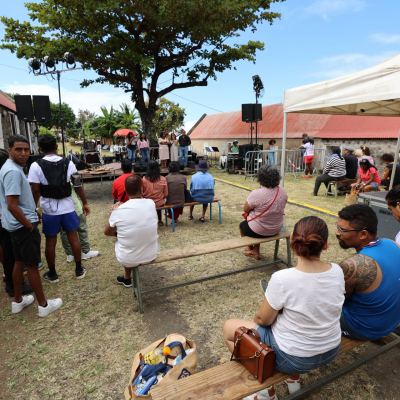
308 146
300 315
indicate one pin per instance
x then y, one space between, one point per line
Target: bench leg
336 190
327 189
173 219
220 216
289 252
136 288
276 249
210 211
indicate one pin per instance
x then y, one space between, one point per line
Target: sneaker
52 305
70 259
293 383
18 307
126 282
264 285
25 289
51 278
304 177
81 273
266 394
40 267
311 176
89 254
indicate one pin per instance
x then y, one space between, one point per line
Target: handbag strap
273 201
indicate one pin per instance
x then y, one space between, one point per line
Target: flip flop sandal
201 219
256 256
190 218
160 223
249 248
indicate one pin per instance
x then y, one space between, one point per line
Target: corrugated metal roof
354 127
6 102
229 125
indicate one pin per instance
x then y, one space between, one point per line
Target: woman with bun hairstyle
300 315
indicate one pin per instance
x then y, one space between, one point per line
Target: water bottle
284 223
156 356
178 358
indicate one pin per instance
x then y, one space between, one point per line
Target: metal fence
294 163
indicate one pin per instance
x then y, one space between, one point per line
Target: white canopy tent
373 91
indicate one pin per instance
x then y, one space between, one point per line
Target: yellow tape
297 203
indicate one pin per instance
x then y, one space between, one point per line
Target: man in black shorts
21 219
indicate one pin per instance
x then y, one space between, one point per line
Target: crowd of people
168 145
305 310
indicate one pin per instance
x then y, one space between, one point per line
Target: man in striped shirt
335 170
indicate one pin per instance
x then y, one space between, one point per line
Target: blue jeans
291 364
183 152
132 155
145 154
349 332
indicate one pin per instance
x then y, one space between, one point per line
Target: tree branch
181 86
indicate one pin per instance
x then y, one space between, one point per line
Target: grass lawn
85 350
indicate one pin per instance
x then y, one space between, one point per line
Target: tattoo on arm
360 271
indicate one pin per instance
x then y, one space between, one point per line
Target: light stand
49 62
258 87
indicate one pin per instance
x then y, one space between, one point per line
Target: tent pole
396 159
283 158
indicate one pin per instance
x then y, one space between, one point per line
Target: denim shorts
51 223
374 185
291 364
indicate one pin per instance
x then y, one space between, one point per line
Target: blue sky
314 40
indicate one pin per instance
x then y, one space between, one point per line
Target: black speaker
191 164
41 104
24 108
251 112
140 167
90 146
181 165
244 148
247 112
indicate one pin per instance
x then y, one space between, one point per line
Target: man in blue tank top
372 276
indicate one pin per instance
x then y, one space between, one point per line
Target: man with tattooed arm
372 276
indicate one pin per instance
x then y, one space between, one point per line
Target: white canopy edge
374 91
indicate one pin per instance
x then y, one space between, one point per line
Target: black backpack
56 173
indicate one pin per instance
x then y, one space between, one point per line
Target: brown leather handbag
257 357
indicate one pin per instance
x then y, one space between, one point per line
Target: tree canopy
131 44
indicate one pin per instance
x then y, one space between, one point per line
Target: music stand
212 150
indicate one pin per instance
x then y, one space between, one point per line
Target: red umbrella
124 132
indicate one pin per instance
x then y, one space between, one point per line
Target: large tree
168 116
132 43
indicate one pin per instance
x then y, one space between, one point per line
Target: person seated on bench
177 184
202 188
351 162
299 317
388 159
265 208
335 170
372 276
135 225
393 203
118 189
368 177
155 187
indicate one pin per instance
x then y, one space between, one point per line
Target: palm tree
127 118
108 122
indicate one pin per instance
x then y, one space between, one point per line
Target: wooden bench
209 248
231 381
195 203
336 185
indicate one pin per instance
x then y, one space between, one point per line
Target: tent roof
373 91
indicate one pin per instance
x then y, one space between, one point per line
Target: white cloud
326 8
385 38
84 99
343 64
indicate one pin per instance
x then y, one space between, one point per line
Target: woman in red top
155 187
368 177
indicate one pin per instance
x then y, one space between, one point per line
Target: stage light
69 58
49 62
34 64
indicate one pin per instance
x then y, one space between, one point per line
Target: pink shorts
308 159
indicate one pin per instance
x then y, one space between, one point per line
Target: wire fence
294 161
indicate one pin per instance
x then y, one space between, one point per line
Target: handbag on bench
257 357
